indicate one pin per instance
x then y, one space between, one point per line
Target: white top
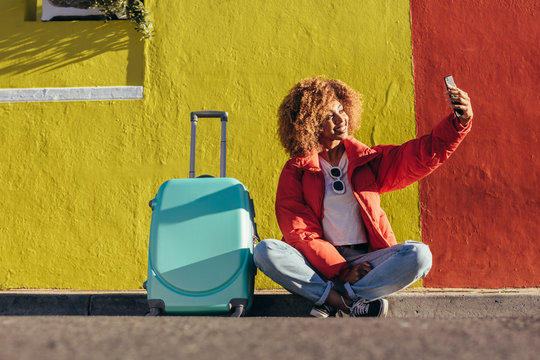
342 222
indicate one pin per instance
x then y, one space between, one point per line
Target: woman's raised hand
462 102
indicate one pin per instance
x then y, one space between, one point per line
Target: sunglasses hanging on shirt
337 185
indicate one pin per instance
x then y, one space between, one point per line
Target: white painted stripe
72 94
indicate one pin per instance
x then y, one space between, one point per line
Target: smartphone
449 81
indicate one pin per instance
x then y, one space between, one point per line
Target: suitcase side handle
195 115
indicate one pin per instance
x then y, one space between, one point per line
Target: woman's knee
265 250
421 255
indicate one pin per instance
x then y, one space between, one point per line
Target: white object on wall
72 94
50 11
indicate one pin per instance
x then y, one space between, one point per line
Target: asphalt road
76 337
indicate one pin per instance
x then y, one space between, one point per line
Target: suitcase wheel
154 312
156 306
240 311
238 307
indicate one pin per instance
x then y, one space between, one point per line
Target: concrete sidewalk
411 303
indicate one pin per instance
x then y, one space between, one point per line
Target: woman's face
335 124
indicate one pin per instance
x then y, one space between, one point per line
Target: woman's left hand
357 272
463 103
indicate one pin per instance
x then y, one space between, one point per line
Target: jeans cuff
322 299
350 291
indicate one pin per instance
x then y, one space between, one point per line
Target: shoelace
359 308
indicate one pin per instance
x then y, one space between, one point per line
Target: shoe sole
318 314
384 308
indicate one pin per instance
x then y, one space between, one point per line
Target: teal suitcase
202 233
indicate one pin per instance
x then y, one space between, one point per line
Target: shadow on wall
48 47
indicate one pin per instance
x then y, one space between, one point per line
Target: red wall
480 211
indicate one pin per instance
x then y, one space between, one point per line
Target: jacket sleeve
401 165
302 229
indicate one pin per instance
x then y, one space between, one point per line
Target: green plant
134 10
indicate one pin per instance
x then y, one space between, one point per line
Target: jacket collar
357 153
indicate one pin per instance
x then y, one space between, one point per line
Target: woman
339 250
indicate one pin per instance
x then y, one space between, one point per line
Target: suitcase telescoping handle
195 115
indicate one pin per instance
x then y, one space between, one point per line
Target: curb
418 303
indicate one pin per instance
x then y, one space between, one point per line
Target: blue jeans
393 269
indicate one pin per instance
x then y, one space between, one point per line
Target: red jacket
371 171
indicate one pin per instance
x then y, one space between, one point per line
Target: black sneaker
375 308
322 311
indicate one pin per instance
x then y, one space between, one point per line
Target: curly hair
301 113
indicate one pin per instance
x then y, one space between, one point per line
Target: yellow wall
77 176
